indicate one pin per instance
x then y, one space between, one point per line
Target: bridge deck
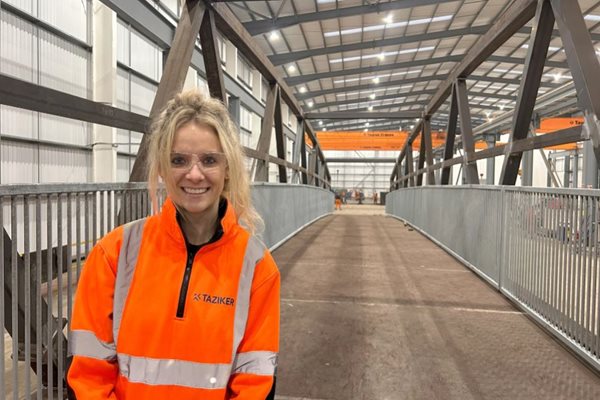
373 310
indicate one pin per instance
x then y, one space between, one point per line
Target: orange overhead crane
394 140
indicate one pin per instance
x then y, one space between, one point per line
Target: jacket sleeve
254 369
94 369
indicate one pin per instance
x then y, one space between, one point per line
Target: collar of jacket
168 222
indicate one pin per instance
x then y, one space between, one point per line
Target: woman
184 304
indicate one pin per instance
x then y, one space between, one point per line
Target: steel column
590 166
583 63
428 149
470 166
280 141
266 131
410 166
450 136
296 152
171 82
421 160
491 162
212 60
534 67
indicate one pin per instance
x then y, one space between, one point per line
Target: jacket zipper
185 284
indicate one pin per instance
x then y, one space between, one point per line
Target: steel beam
296 152
466 133
584 65
403 82
280 141
284 58
349 115
450 136
410 166
171 82
534 67
230 26
305 78
17 93
264 26
513 18
303 161
212 60
428 150
373 160
266 131
421 159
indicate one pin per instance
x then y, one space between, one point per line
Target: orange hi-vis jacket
170 327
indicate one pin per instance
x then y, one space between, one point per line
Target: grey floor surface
373 310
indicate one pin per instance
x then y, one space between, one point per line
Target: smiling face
196 190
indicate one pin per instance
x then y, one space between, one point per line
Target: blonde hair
193 106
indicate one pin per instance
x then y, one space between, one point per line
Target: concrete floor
373 310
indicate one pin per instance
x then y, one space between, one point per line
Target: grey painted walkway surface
373 310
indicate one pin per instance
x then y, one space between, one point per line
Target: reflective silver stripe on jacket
130 248
153 371
255 362
254 253
85 343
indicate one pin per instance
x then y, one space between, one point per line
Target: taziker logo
207 298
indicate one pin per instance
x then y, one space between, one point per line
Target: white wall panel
142 96
18 122
64 66
146 57
122 86
65 165
124 165
19 162
123 140
69 16
64 130
18 53
123 54
26 5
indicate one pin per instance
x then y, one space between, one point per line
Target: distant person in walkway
375 197
338 202
183 304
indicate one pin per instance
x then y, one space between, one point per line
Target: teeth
195 191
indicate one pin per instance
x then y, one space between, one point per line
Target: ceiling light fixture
303 89
379 27
273 36
310 104
292 68
386 53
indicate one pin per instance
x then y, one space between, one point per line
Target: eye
210 160
178 160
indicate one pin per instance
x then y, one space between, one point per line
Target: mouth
194 191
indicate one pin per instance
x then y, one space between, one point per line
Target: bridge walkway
374 310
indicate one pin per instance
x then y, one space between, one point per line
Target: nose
195 173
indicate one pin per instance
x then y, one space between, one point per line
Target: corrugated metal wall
30 53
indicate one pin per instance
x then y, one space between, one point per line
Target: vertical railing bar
27 298
2 299
563 266
59 292
545 233
596 280
94 216
87 223
589 226
556 207
78 235
15 297
572 267
69 257
49 317
38 294
102 227
583 229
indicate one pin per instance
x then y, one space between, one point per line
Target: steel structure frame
583 64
